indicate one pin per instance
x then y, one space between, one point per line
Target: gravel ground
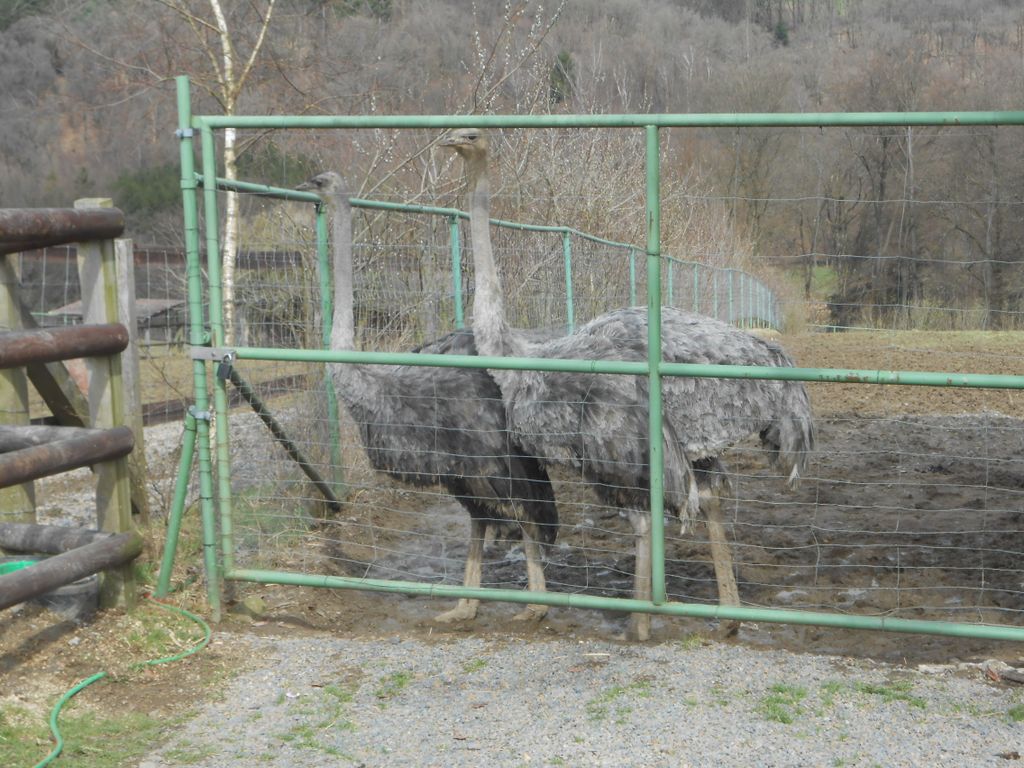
327 701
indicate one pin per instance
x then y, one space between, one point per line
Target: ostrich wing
447 425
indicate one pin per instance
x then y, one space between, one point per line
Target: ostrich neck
343 333
490 327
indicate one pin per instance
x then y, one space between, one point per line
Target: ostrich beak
463 137
305 186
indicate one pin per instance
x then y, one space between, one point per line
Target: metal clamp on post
198 415
211 354
184 133
223 356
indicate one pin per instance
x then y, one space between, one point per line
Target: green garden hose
59 740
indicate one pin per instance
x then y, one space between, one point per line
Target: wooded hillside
873 221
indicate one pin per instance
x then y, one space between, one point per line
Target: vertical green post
220 395
753 292
696 288
326 321
456 249
570 314
744 304
656 446
188 449
197 338
671 288
632 277
730 316
714 293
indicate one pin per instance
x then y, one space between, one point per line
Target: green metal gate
214 361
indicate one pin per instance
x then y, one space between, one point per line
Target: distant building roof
144 308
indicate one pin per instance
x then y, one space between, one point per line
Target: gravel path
325 701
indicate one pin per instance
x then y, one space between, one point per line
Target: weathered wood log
93 447
47 345
46 575
23 229
14 438
46 539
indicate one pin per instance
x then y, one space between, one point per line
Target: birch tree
230 68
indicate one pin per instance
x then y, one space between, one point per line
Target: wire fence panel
903 515
909 508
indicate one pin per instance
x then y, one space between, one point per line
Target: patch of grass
719 695
94 741
18 736
393 684
150 637
1016 713
339 694
330 714
896 691
782 704
829 691
611 701
474 666
691 642
188 754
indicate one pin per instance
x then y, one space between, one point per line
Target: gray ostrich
444 426
598 424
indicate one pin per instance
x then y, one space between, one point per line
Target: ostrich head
471 143
327 184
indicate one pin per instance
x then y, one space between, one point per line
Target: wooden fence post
97 274
17 503
124 259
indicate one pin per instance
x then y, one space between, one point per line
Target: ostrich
444 426
598 424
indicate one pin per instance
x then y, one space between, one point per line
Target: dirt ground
912 508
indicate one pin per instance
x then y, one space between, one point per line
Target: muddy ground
911 508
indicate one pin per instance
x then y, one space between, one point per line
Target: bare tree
229 69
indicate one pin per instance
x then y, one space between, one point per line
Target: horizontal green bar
843 376
705 120
441 361
383 205
595 602
697 370
284 193
262 189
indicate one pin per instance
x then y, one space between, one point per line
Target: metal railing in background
726 293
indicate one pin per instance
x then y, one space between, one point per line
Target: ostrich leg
640 623
721 555
466 607
535 577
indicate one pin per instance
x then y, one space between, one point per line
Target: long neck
343 333
490 326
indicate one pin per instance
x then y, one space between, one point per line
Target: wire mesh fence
910 509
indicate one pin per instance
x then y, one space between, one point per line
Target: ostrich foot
639 628
728 628
531 613
464 610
